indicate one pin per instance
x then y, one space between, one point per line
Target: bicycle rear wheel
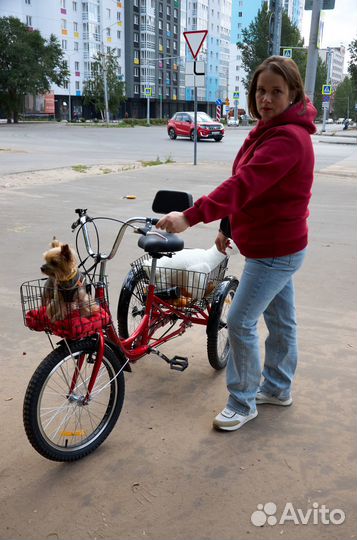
58 422
131 305
217 332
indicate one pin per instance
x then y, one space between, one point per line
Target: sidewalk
164 474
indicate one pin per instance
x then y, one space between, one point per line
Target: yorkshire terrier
65 288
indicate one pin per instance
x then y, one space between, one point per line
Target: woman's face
272 95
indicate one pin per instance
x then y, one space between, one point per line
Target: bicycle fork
95 371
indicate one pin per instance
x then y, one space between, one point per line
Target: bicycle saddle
161 242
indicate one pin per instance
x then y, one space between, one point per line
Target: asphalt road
163 473
25 147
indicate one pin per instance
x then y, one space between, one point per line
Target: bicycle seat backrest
165 243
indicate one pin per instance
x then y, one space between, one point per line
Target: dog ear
55 243
66 252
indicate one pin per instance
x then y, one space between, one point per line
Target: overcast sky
340 25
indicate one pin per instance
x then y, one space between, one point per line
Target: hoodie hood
292 115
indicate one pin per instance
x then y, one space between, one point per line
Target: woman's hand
174 222
222 243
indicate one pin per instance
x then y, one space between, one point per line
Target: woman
266 201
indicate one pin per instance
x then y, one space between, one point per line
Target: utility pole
105 86
275 7
312 55
328 81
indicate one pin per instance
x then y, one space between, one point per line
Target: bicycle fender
119 354
217 299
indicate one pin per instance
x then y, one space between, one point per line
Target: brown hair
288 70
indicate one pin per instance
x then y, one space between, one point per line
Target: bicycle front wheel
59 423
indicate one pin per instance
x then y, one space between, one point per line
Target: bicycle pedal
179 363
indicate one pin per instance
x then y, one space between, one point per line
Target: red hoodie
267 196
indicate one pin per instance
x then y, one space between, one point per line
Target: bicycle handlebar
84 219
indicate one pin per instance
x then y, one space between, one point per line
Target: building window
28 20
64 44
240 13
168 10
119 34
118 16
168 27
160 24
74 6
136 19
136 37
118 53
136 89
77 85
108 32
63 4
136 72
108 13
28 2
63 24
175 13
76 46
161 8
65 85
175 28
76 66
75 27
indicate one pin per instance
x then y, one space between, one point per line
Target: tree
352 65
343 100
254 47
28 64
93 90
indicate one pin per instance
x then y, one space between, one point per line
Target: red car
182 125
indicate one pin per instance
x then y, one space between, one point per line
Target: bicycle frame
157 311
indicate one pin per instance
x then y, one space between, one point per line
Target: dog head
60 261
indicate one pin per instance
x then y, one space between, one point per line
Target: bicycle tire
217 333
58 425
131 304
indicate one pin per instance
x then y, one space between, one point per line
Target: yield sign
194 40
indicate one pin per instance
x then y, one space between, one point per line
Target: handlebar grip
155 220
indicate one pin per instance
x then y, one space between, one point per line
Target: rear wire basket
184 289
45 309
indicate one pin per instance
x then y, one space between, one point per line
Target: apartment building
337 59
152 34
214 16
83 28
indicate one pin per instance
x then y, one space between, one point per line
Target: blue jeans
266 288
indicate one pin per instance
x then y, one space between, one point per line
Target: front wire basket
185 289
71 314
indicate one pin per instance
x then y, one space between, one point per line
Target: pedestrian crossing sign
288 53
148 92
235 95
326 89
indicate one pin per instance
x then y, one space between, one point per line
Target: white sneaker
229 420
264 398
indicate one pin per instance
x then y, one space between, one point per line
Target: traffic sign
148 92
326 89
194 40
219 102
226 109
327 4
236 96
288 53
194 74
227 102
325 99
